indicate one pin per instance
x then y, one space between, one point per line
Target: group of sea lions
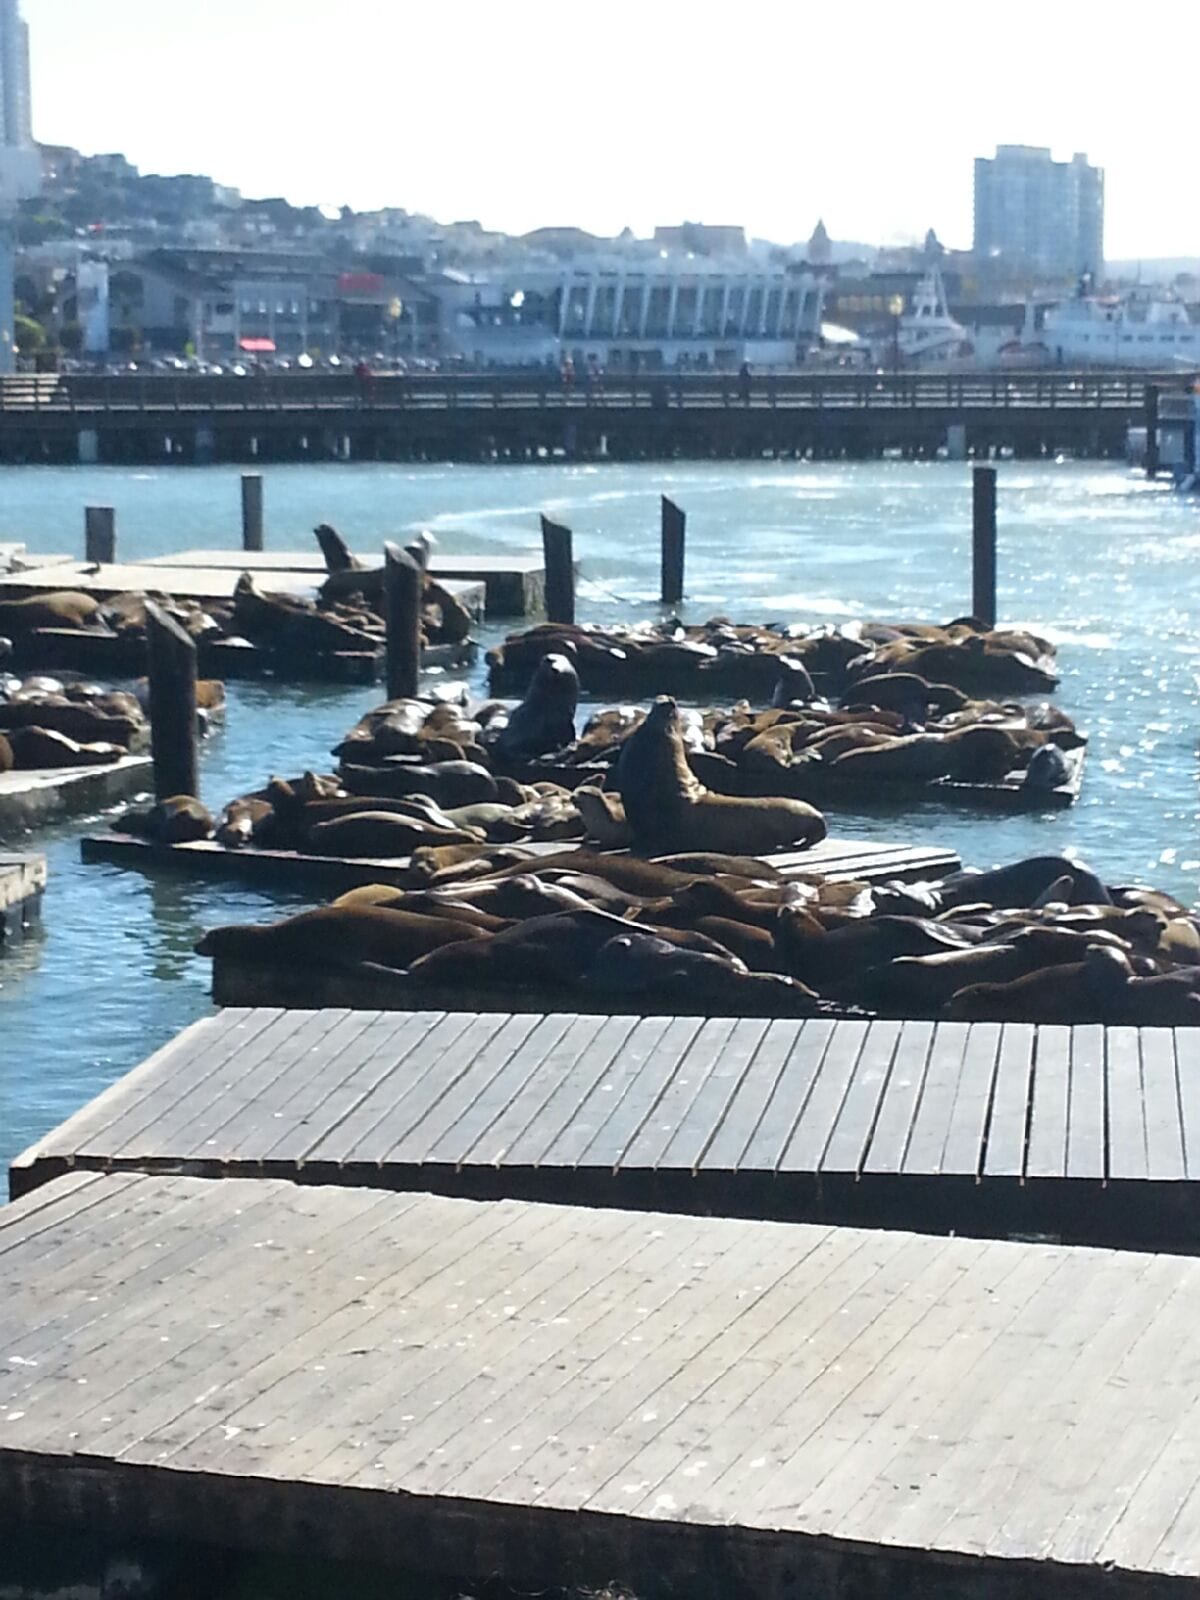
718 658
48 723
1042 941
345 616
891 728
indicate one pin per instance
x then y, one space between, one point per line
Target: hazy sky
764 112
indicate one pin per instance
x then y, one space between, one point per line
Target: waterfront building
16 105
656 312
1033 213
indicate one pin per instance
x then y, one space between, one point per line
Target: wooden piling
174 736
557 543
420 549
100 534
252 511
403 586
674 530
1152 430
983 566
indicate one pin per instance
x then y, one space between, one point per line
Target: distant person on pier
568 376
744 383
366 381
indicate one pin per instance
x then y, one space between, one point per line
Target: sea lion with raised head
545 719
669 809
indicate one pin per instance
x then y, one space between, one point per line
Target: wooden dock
22 883
34 799
1085 1134
697 1406
837 860
514 582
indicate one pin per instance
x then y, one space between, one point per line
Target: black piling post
403 588
174 738
1152 430
674 530
100 534
557 544
983 565
252 511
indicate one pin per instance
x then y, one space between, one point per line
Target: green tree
30 336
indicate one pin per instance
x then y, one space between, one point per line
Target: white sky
764 112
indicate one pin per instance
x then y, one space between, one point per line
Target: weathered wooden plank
743 1118
824 1102
1161 1104
931 1123
901 1096
1047 1153
850 1137
30 800
964 1137
1087 1150
1008 1118
1126 1114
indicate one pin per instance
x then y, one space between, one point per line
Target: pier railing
316 393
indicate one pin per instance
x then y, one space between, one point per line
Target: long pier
151 419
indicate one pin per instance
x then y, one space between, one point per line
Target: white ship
1130 330
926 335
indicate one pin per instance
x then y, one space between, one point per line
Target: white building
20 164
656 312
16 105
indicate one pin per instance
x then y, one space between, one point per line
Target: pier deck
1086 1134
33 799
697 1405
22 883
837 860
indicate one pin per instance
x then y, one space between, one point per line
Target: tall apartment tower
20 164
16 122
1039 214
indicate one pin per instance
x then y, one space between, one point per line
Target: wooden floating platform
22 883
836 860
823 788
32 799
183 583
691 1405
113 656
515 582
1084 1134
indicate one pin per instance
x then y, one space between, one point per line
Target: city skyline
653 119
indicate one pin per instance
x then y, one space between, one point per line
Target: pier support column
252 511
674 529
206 444
100 535
89 447
174 739
983 543
403 590
1152 430
956 441
557 544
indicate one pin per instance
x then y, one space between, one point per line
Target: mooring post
674 530
100 534
560 571
1152 430
174 737
403 586
983 565
252 511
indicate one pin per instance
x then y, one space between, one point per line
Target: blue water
1105 563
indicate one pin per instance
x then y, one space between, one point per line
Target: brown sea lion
545 719
34 749
66 608
390 898
603 817
450 783
669 809
1079 992
377 833
339 936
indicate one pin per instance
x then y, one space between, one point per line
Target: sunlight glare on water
1101 561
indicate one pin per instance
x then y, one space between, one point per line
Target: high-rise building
1038 214
16 105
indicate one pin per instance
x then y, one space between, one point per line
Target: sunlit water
1105 563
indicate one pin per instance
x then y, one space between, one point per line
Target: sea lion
423 902
603 817
182 819
378 833
40 748
793 686
7 760
1047 769
1079 992
636 963
450 783
1021 883
64 609
339 936
669 809
545 719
